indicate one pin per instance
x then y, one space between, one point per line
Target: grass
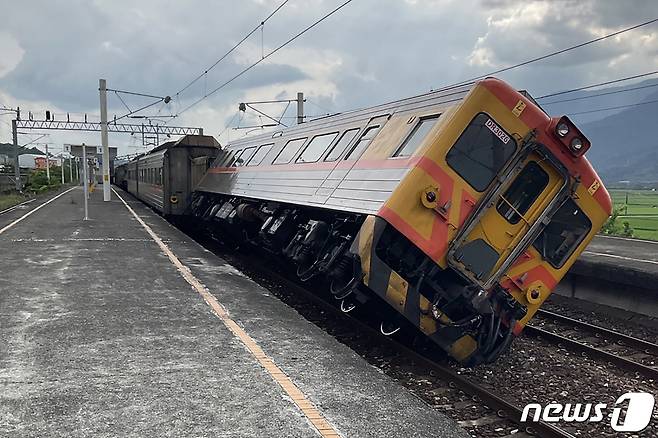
11 199
640 209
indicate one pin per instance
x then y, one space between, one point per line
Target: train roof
448 96
185 141
188 141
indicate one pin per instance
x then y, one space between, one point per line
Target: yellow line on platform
324 428
2 230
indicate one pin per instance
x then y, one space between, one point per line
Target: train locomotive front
456 212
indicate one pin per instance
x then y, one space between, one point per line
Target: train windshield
481 152
567 228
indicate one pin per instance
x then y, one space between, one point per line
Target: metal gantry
147 131
126 128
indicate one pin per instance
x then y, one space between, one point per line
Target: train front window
481 151
523 192
567 228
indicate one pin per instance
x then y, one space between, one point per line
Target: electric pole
86 178
300 108
104 141
17 168
47 164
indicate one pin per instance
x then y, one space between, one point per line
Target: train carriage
164 177
460 209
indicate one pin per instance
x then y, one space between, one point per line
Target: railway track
17 206
626 352
476 407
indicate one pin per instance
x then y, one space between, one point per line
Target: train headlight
576 144
562 129
568 135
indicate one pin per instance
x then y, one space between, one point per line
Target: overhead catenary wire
597 110
587 87
625 90
245 70
554 53
250 33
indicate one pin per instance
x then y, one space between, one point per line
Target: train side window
342 144
316 147
257 158
246 155
289 151
416 137
565 231
236 158
523 192
481 151
365 139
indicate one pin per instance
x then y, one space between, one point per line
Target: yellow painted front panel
504 236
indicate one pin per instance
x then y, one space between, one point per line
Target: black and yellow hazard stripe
405 297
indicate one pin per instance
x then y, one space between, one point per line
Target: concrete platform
633 254
616 272
101 334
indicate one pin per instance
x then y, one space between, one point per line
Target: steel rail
594 352
621 338
14 207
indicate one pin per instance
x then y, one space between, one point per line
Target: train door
506 219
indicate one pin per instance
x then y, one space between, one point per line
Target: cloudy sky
371 51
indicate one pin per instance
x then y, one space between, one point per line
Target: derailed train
456 212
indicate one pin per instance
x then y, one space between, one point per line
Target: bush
37 181
613 228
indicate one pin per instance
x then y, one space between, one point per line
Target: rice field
640 209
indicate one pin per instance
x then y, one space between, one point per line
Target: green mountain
625 145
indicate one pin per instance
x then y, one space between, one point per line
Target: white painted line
313 414
7 210
628 239
615 256
34 210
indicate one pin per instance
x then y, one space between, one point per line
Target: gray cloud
369 52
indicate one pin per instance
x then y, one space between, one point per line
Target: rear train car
165 176
456 212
